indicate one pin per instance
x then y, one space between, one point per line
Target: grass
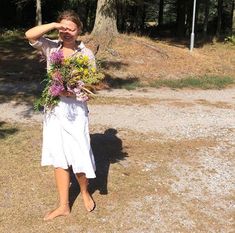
205 82
128 86
230 39
7 35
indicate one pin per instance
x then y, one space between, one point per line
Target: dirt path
179 173
175 114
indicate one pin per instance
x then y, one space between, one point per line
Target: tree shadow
6 131
104 64
20 71
112 81
116 82
107 149
19 61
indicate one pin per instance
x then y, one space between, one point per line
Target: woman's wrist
53 25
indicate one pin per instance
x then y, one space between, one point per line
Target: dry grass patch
123 101
150 60
217 104
135 187
181 104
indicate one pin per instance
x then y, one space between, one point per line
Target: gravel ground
177 114
193 192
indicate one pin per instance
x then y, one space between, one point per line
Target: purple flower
77 90
70 89
56 89
80 84
56 57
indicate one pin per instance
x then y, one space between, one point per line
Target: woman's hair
72 16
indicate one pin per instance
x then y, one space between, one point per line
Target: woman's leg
88 201
62 182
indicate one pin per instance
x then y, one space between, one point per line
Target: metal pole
193 25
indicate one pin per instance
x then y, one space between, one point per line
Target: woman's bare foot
62 210
88 201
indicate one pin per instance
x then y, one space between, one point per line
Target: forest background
153 18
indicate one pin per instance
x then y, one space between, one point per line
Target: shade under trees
108 17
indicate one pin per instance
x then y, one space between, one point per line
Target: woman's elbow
28 35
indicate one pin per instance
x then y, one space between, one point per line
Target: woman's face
71 32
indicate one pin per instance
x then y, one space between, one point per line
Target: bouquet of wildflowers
74 75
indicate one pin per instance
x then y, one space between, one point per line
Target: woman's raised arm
36 32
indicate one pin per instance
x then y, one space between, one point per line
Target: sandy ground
200 188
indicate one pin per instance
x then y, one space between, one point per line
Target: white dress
66 139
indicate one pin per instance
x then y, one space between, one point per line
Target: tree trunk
233 18
181 15
205 24
38 12
106 19
19 9
161 10
121 15
189 17
219 19
139 19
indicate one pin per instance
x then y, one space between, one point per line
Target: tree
160 15
181 16
206 17
219 17
106 19
233 18
38 12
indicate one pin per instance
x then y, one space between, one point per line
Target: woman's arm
36 32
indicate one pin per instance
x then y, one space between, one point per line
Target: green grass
205 82
230 39
9 35
130 83
131 86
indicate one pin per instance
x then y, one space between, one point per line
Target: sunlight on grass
205 82
230 39
8 35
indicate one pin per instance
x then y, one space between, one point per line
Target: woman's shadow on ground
107 149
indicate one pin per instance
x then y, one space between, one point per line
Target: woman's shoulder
85 51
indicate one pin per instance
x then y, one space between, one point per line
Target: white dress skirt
66 139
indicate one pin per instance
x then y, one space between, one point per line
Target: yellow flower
85 71
93 69
66 61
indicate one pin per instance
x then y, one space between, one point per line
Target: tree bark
19 9
233 18
181 16
38 12
206 16
106 19
189 12
161 10
219 19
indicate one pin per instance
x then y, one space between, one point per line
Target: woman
66 140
